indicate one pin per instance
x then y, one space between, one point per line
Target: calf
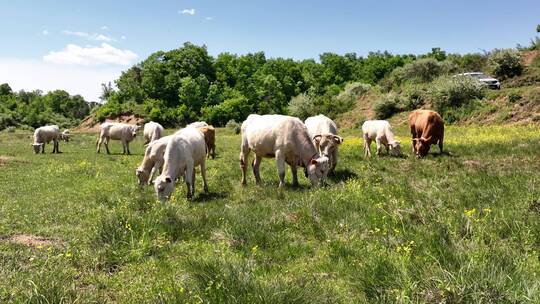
323 131
381 132
152 131
117 131
184 151
152 161
46 134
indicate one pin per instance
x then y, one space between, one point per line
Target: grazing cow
381 132
153 160
116 131
152 131
197 124
46 134
285 138
427 128
210 139
323 131
184 151
65 135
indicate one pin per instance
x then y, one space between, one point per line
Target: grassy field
458 228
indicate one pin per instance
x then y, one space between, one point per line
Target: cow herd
312 145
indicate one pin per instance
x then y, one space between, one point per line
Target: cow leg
189 179
106 143
334 161
441 145
127 148
203 174
43 148
256 172
213 152
280 162
387 148
367 144
294 171
378 141
244 156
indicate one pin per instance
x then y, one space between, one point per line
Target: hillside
517 102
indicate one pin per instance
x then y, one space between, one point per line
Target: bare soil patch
29 240
91 125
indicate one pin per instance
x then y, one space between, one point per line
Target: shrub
302 106
454 92
421 71
505 63
354 90
513 96
413 96
233 125
387 105
10 129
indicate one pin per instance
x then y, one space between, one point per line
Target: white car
491 83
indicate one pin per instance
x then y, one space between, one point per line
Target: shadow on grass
208 196
342 175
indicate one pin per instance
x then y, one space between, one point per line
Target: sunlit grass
461 227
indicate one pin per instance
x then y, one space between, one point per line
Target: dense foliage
187 83
34 109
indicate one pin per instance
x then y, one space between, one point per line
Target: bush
513 96
505 63
387 106
413 96
233 125
421 71
354 90
302 106
454 92
11 129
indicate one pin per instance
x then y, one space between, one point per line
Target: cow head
164 186
134 130
326 144
37 147
422 146
142 176
395 148
317 170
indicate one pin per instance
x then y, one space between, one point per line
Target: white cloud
104 27
93 36
34 74
187 11
91 55
123 37
45 32
209 18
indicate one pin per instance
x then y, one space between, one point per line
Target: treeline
33 109
187 84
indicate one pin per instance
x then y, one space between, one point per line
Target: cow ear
313 161
168 179
338 139
317 138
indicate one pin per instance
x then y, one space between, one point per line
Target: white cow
153 160
116 131
197 124
46 134
152 131
184 151
65 135
323 131
285 138
381 132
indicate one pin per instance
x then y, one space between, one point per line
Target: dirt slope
90 124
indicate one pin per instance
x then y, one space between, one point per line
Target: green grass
463 227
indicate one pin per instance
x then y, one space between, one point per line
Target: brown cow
427 128
210 140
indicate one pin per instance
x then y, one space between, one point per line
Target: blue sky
76 45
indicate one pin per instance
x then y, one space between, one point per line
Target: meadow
462 227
